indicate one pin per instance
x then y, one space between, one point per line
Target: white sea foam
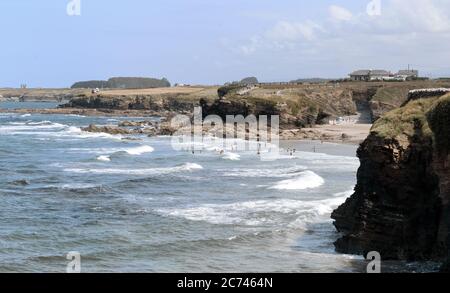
46 122
76 115
27 126
78 186
269 172
139 150
263 212
50 129
73 131
305 180
72 186
347 193
135 150
232 157
104 158
149 171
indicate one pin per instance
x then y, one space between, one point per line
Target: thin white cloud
293 31
407 31
338 13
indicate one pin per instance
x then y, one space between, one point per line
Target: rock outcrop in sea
400 207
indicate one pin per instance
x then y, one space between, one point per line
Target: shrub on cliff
249 80
439 121
228 89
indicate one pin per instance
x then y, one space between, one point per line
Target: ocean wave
26 126
104 158
263 212
270 173
231 157
76 115
347 193
134 151
51 129
77 186
151 171
139 150
78 132
305 180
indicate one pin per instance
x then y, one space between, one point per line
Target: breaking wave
274 173
150 171
263 212
305 180
232 157
139 150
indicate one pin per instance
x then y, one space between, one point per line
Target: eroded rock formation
400 207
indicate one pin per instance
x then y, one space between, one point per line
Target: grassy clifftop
299 101
429 117
404 120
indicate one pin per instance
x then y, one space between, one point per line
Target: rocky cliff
173 103
400 207
39 95
297 106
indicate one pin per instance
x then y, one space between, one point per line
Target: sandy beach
345 133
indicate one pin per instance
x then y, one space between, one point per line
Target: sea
139 204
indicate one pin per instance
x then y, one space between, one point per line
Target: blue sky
214 41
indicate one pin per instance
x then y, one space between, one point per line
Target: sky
215 41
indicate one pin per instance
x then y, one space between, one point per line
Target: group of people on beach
291 152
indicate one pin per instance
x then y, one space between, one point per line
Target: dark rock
134 123
400 207
166 129
22 182
106 129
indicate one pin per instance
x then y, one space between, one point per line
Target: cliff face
144 102
400 207
224 107
297 107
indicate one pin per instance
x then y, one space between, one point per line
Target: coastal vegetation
123 83
405 120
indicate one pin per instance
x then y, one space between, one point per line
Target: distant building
182 85
360 75
407 74
374 75
380 75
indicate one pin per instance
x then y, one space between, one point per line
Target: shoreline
349 134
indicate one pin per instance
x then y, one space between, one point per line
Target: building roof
380 72
408 72
370 72
361 73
